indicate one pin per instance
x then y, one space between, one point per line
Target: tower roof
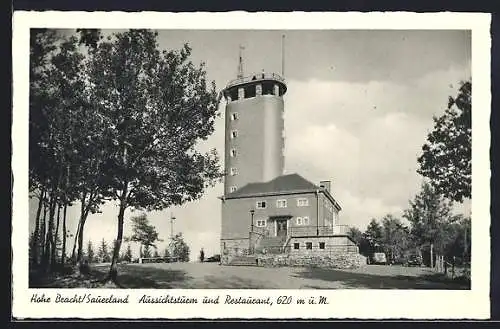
285 183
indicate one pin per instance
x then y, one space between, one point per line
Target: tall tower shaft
254 134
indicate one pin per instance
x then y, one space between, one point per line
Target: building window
280 203
258 90
303 221
261 204
249 91
261 223
267 88
234 134
302 202
233 153
234 171
276 90
234 116
309 245
232 94
296 245
232 189
321 245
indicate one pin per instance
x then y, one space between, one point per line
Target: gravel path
214 276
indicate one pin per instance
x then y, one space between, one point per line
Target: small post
251 231
240 63
317 213
251 219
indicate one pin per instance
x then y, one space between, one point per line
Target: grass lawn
215 276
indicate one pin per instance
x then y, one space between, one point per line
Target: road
215 276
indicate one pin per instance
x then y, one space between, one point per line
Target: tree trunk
36 236
113 270
65 232
63 256
80 238
84 210
43 231
432 255
466 247
56 235
49 241
51 230
75 243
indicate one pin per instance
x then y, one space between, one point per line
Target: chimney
326 184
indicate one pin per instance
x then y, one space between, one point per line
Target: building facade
287 214
265 212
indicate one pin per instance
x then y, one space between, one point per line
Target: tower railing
256 77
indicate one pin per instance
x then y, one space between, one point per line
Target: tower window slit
233 93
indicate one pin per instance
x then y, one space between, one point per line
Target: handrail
258 230
312 230
289 249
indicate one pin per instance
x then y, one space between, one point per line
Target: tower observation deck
254 130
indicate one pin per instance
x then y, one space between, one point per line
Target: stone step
272 241
271 245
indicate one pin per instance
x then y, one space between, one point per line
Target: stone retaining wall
340 260
233 247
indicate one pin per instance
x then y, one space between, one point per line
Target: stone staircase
271 245
244 260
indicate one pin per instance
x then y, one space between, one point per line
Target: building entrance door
281 227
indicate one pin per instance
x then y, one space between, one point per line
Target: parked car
413 260
213 259
377 258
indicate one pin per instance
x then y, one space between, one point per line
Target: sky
358 108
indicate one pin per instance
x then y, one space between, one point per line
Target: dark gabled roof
292 183
285 183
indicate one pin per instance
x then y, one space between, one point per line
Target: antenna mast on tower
240 64
283 56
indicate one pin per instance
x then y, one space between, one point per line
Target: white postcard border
361 304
